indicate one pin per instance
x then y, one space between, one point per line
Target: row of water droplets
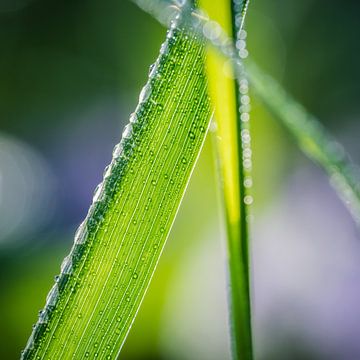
102 195
244 111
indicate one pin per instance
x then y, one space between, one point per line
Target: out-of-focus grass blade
311 137
224 93
94 301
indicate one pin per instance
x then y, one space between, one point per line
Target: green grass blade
311 137
94 301
232 143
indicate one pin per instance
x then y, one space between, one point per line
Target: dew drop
66 265
153 182
117 150
145 93
107 171
127 131
52 296
245 117
164 49
135 276
248 182
133 118
183 160
248 199
97 192
191 135
80 234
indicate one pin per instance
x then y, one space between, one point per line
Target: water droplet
191 135
248 199
107 171
127 298
52 296
164 49
87 354
153 182
127 131
183 160
212 30
145 93
80 234
133 118
118 319
117 150
66 265
245 117
117 331
135 276
248 182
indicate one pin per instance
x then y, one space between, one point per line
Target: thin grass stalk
231 148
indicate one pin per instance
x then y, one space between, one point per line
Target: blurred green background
70 74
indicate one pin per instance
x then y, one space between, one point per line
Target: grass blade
229 135
311 137
94 301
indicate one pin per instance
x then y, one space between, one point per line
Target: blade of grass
229 144
90 309
312 138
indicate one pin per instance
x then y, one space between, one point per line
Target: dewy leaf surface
93 303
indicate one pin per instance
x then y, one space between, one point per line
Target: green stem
238 234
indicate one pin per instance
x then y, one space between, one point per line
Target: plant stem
229 152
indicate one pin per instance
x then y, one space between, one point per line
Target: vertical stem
231 141
238 233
